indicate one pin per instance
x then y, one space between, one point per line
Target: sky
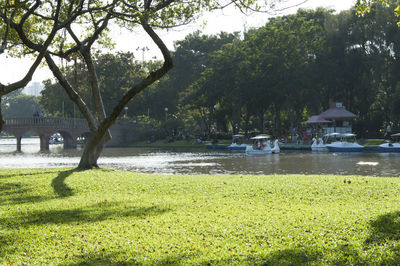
230 20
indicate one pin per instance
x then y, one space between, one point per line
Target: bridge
69 128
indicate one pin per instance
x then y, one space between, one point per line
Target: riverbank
64 216
222 143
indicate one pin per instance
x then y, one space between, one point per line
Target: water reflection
202 161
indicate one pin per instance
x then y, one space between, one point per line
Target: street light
126 111
144 49
166 113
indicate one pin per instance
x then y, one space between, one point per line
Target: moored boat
262 145
237 143
388 146
347 143
318 145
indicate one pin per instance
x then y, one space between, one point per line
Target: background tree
16 104
23 18
94 18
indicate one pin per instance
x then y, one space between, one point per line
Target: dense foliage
17 104
275 77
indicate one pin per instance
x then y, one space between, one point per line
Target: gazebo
318 124
340 117
316 119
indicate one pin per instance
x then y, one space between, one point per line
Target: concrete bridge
69 128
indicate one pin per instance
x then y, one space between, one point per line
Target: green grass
371 142
64 216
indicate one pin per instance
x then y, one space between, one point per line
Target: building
34 88
341 119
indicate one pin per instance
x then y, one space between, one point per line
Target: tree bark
1 117
97 141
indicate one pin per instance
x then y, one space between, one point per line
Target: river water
203 161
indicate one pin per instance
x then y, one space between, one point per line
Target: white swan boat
347 143
262 145
318 145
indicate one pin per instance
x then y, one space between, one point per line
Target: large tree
21 16
73 29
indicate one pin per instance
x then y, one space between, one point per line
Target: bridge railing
46 122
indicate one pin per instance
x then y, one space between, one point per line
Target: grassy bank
62 216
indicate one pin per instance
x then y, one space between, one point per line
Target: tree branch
72 93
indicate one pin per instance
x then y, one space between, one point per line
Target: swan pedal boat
318 145
264 148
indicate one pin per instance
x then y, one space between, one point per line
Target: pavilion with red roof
335 119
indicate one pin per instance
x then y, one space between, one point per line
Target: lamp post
144 49
166 113
126 111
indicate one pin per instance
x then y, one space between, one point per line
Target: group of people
259 144
38 114
305 135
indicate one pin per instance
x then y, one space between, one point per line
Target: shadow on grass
285 257
21 173
93 213
59 186
15 193
102 258
58 183
385 228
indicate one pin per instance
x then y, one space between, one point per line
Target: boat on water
56 139
388 146
237 144
320 144
347 143
391 146
262 145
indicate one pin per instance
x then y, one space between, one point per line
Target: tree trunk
1 118
261 119
277 121
91 153
96 143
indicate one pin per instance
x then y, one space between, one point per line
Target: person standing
388 131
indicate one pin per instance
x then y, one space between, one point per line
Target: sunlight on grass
64 216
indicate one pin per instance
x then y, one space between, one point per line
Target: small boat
388 146
216 146
318 145
56 139
347 143
237 143
262 145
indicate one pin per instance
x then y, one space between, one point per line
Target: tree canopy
277 76
69 30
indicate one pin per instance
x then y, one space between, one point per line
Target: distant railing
46 122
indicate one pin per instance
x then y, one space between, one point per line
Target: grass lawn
64 216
